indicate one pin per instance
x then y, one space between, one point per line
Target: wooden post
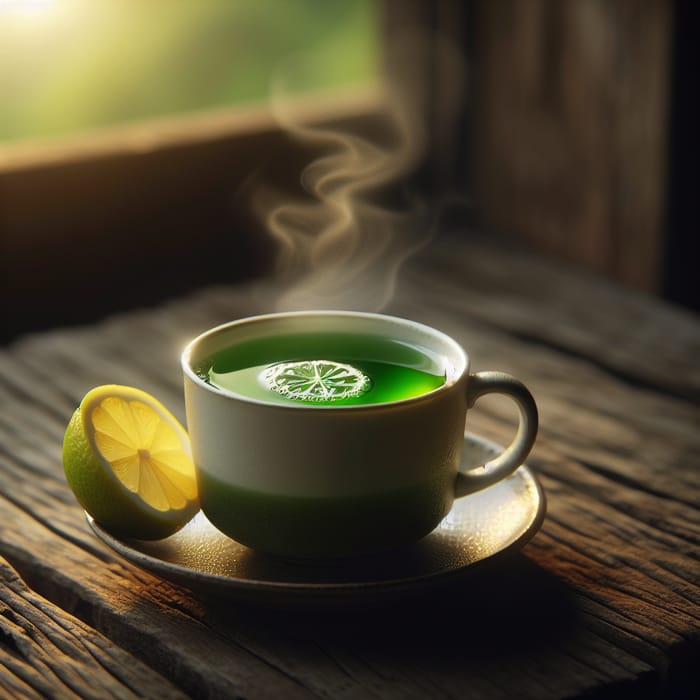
569 141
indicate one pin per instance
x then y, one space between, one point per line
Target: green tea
324 369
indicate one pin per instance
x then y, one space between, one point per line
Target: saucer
480 526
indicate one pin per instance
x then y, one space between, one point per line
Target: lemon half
128 461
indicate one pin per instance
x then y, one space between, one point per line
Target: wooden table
602 602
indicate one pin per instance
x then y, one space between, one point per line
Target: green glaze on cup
306 527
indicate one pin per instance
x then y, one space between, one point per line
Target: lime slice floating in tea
316 380
128 461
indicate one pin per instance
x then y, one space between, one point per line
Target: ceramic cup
310 481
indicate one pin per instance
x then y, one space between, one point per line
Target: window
127 128
67 66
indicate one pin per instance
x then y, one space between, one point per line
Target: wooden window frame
133 214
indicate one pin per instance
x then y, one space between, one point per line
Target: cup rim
461 359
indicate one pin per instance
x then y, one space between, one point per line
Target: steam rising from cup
342 247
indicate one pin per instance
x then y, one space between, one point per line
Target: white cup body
321 481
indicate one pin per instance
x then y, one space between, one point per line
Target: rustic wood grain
602 602
48 652
570 134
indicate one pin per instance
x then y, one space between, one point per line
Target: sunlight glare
25 7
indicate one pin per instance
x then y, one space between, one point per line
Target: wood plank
156 622
47 652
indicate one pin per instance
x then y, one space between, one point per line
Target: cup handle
501 383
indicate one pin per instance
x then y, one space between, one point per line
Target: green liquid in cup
324 369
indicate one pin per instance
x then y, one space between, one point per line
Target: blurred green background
71 65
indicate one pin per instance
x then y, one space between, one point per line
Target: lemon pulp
144 451
127 460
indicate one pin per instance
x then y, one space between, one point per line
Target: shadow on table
506 614
502 607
